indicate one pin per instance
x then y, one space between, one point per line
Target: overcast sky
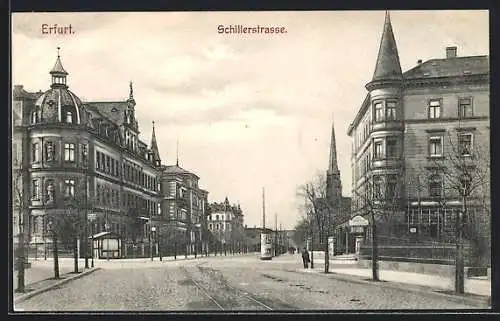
249 111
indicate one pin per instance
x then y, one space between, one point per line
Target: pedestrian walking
305 258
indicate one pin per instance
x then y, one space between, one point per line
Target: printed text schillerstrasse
256 29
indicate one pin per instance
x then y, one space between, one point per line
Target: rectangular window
34 152
391 188
103 162
435 108
69 152
98 194
436 146
84 152
435 186
69 187
159 208
108 164
35 190
465 107
117 166
112 167
391 110
98 160
377 187
379 111
378 151
392 144
465 144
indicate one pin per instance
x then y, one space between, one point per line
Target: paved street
223 283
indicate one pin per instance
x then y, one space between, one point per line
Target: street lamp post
152 230
86 224
158 242
92 246
91 217
107 241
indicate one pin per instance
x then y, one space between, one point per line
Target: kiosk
266 245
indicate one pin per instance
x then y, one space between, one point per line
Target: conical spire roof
333 166
154 145
387 66
58 68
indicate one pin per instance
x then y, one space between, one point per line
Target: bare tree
301 230
465 172
322 211
21 206
380 198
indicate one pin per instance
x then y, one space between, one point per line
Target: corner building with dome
72 158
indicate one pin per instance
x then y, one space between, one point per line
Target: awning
358 221
106 235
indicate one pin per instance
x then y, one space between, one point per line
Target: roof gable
112 110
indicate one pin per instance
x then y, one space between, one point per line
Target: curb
51 286
480 300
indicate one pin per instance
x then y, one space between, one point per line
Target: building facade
185 204
415 137
72 158
225 222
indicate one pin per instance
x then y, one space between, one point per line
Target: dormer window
69 117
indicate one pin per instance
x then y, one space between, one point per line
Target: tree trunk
374 250
20 261
327 255
459 256
75 255
56 257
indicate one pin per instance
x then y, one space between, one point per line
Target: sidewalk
474 286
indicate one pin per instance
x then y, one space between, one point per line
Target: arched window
69 117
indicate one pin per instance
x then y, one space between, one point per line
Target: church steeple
332 166
387 67
58 73
333 183
154 147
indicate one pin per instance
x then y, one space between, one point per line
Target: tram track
220 293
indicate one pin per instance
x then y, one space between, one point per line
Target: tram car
266 245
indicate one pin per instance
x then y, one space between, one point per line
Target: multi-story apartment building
415 134
185 204
225 222
67 154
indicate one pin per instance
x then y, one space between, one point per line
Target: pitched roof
175 169
387 66
450 67
112 110
20 93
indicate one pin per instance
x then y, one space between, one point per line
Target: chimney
419 61
451 52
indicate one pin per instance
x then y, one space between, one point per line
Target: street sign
91 216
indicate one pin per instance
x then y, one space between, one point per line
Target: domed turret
58 104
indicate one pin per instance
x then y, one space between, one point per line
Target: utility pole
150 240
263 208
275 234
